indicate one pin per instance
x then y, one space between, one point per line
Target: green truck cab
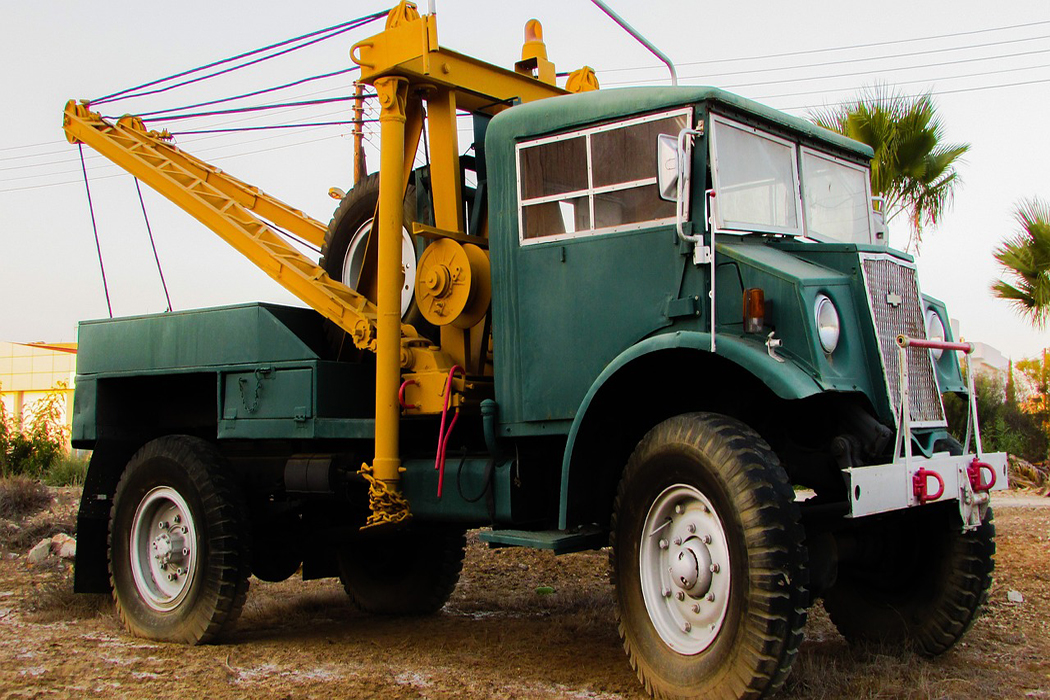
703 354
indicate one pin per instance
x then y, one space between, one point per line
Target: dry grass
53 600
21 496
1028 476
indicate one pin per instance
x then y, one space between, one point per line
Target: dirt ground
503 635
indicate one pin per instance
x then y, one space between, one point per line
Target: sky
991 80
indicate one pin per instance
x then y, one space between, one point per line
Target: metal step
558 541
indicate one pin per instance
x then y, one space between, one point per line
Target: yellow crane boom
236 211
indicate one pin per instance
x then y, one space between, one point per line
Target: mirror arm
683 175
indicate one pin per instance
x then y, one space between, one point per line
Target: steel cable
328 33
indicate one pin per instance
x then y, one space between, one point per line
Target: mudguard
785 378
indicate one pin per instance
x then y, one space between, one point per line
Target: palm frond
1025 258
912 169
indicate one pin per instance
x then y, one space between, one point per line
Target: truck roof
545 116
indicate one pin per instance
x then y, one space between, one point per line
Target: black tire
354 212
411 572
919 580
178 483
707 463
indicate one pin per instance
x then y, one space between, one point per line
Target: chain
387 504
242 382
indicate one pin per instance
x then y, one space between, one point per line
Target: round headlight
828 327
934 331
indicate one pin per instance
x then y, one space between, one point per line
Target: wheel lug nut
678 509
666 592
186 552
706 509
171 577
707 539
696 608
715 568
710 597
678 540
691 528
679 595
686 627
178 519
663 544
163 524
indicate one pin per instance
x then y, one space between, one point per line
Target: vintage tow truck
664 320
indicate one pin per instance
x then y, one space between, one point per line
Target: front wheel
918 580
178 544
708 561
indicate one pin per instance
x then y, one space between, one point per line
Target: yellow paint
582 80
444 160
411 50
393 93
453 284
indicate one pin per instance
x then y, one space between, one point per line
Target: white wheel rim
163 549
355 257
684 566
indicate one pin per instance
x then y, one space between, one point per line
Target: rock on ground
39 552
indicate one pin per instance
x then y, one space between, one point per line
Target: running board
558 541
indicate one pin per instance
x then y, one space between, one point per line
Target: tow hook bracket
920 485
973 472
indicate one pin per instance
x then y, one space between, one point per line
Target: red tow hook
974 472
919 485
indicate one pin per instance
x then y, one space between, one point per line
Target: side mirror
667 167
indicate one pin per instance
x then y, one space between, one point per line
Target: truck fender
784 378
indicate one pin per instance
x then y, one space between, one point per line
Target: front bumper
888 487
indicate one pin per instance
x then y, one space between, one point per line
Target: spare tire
345 244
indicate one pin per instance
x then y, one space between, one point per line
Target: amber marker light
754 310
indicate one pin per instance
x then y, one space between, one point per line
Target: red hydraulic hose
442 446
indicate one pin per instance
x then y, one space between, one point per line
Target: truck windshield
768 184
756 180
837 204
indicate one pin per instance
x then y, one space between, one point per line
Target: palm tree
1026 259
912 170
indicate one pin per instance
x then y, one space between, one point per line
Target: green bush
67 470
1004 426
31 448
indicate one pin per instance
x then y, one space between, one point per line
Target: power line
212 149
248 94
905 68
256 108
905 82
825 64
273 126
808 52
956 91
122 173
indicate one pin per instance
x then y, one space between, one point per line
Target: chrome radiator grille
897 308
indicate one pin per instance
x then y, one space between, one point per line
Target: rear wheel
917 580
411 572
178 543
708 561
